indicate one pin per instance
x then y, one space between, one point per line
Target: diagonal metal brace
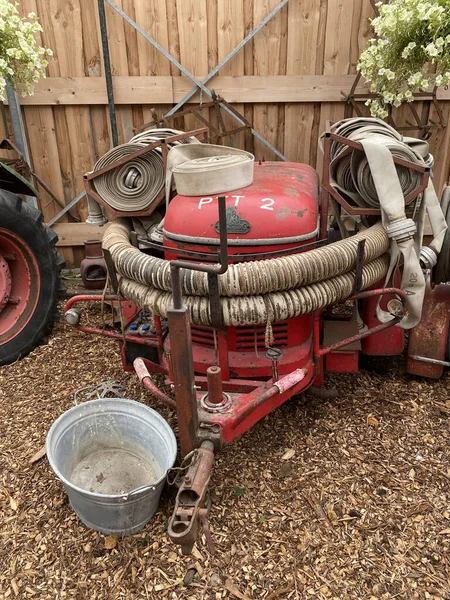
189 75
224 61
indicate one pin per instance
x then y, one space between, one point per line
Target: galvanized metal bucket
112 447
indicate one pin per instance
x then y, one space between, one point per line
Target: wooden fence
288 81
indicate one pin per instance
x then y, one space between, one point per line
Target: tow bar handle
190 510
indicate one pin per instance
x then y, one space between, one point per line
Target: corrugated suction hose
252 310
253 292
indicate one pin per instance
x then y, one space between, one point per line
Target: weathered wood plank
230 32
41 128
268 57
74 234
303 30
57 91
193 34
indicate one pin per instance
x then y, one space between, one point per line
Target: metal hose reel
138 184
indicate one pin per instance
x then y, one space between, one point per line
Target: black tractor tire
25 223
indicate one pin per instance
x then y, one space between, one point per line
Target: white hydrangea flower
431 50
22 60
411 35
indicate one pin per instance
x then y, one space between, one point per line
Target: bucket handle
101 390
142 488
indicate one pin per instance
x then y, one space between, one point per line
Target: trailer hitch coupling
191 508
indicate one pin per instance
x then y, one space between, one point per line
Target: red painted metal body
389 342
278 212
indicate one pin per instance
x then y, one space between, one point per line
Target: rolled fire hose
207 169
135 185
371 179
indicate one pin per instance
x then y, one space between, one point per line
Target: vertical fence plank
117 36
337 56
193 34
152 17
303 43
269 51
72 122
41 133
230 32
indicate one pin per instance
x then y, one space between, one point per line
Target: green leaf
238 492
262 518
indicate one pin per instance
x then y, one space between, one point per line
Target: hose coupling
401 230
428 257
72 316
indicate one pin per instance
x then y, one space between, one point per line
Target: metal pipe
222 255
433 361
66 209
181 340
146 380
183 377
19 132
192 77
108 76
96 216
215 391
280 387
359 336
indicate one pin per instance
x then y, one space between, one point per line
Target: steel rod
108 76
66 208
19 132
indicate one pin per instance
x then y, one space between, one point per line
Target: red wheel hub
20 284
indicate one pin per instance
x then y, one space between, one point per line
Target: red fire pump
227 376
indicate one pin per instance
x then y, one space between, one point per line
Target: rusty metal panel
429 338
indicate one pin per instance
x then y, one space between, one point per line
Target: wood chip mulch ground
345 498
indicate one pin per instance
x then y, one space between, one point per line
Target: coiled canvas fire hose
268 290
371 179
135 185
